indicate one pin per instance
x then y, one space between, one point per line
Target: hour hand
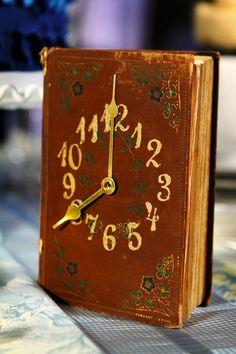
73 212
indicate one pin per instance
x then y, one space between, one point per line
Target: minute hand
112 112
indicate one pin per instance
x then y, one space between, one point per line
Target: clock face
116 253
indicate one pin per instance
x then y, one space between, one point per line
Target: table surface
31 321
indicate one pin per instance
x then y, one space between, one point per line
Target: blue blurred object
26 26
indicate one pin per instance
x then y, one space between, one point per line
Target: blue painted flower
77 88
156 94
148 284
72 268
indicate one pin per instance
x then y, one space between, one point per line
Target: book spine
44 166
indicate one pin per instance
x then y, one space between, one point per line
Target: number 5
133 234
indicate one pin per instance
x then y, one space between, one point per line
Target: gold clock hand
113 112
74 210
92 197
72 213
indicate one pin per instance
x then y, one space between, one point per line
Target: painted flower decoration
77 88
168 109
163 269
164 290
156 94
172 92
89 157
137 297
141 77
150 303
174 123
159 75
58 269
88 74
148 284
72 268
82 285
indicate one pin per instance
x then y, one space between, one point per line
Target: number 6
109 241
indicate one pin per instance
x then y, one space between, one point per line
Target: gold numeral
91 221
106 119
71 160
138 132
151 146
94 127
123 116
69 184
135 239
154 219
109 241
164 179
63 154
81 130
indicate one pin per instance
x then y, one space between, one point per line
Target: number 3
164 179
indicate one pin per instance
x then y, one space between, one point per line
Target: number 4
154 218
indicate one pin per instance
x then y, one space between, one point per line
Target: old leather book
128 181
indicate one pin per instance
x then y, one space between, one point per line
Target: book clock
127 181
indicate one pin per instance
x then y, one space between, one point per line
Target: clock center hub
108 185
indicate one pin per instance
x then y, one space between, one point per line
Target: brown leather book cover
116 154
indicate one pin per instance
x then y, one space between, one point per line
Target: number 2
150 147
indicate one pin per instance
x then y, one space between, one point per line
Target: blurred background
26 26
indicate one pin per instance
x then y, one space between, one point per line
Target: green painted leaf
132 293
63 84
159 266
139 81
166 273
60 254
166 105
81 290
173 107
166 114
58 269
68 284
159 275
139 293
